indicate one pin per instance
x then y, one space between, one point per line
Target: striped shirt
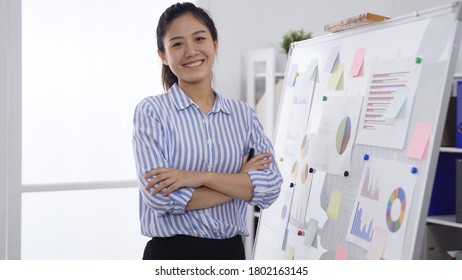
171 131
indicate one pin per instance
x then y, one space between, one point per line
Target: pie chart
294 171
343 135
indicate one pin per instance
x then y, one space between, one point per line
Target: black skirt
184 247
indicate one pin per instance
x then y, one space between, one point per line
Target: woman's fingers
260 157
164 184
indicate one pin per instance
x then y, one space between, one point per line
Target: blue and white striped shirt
171 131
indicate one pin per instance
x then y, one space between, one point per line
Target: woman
190 145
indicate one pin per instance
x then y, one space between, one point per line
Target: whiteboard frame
414 235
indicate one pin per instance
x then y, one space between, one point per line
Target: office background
71 73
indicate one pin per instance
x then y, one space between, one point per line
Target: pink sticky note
378 242
419 142
358 62
340 253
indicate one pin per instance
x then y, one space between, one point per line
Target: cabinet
263 88
443 234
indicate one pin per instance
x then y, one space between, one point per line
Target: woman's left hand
258 162
171 179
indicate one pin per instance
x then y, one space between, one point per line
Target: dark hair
169 15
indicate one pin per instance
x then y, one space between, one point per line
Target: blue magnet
414 170
366 157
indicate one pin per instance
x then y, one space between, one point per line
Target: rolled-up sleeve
149 142
267 183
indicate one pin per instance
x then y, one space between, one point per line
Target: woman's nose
190 50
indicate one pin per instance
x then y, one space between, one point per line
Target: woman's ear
215 45
162 57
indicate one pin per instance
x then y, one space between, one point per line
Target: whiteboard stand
424 45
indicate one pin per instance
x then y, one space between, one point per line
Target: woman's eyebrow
181 36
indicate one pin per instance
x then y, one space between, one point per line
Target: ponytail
168 78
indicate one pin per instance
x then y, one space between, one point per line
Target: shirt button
209 142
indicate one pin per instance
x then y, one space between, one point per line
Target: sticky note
336 77
332 60
334 204
396 105
378 242
340 253
311 233
419 142
312 69
315 242
358 62
290 251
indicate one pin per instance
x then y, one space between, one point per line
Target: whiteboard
357 139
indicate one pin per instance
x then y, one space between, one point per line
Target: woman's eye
177 44
200 39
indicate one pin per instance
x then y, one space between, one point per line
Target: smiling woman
85 65
191 148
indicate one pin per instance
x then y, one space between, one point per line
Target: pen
251 152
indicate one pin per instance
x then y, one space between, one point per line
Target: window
85 66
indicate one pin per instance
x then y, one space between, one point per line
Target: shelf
457 75
446 220
277 75
451 150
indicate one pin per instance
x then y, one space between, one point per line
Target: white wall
253 24
401 7
3 127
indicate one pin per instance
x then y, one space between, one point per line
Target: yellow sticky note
334 204
336 76
290 251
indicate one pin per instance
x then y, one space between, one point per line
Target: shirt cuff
180 198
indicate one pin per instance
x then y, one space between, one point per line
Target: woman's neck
201 94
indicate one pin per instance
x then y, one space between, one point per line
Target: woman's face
189 50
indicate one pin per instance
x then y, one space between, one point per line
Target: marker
251 153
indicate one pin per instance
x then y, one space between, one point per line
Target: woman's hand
171 179
259 162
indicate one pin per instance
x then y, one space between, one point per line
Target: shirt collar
182 100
